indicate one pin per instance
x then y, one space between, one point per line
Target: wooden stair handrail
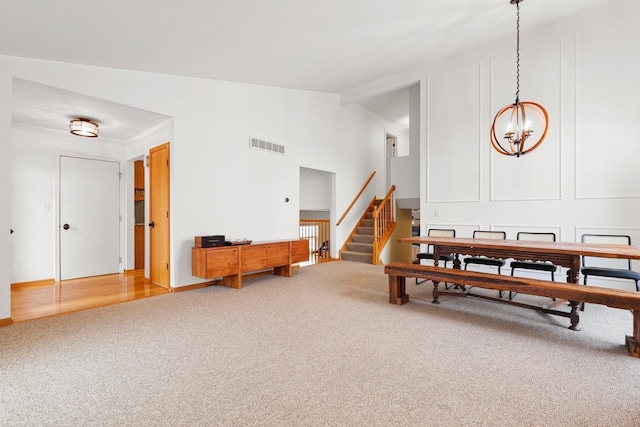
383 224
356 198
387 197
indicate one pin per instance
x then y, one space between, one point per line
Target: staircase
359 246
372 232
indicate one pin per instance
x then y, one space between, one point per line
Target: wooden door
89 206
159 215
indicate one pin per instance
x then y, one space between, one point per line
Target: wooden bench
574 294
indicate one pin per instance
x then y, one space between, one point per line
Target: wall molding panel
536 175
607 125
453 135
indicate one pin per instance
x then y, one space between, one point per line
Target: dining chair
592 266
534 265
436 232
495 262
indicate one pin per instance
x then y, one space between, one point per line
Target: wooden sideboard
230 262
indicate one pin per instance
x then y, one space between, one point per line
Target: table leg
397 294
573 277
456 262
436 293
457 265
633 342
574 316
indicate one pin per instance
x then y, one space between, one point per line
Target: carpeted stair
360 248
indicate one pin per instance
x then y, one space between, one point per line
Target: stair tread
357 257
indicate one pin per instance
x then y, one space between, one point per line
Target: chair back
498 235
538 237
611 239
440 232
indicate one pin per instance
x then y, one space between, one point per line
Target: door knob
152 224
66 226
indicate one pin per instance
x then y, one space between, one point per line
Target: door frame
57 206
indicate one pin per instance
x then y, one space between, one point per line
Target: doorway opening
138 214
391 151
317 214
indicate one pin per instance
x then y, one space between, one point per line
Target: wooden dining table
565 254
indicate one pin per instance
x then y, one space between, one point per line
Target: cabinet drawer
222 262
277 254
299 251
253 257
212 263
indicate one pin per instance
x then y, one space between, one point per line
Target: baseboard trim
266 272
192 287
32 284
6 322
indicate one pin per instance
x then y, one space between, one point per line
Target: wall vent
259 144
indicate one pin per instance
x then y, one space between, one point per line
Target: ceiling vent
260 144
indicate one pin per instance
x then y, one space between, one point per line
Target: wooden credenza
230 262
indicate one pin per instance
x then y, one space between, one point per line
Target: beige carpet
324 348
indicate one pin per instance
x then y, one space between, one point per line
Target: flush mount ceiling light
83 127
522 118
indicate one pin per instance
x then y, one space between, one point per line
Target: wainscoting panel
607 124
453 136
536 175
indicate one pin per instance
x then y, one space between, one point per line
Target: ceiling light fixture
520 119
83 127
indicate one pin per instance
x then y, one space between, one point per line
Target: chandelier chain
517 51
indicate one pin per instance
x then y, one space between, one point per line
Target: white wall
218 184
315 190
5 194
583 178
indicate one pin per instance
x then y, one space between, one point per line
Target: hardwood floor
33 301
30 302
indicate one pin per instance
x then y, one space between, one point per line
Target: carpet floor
324 348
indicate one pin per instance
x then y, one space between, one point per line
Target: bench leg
574 316
631 342
436 293
397 294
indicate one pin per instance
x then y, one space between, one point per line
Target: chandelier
520 120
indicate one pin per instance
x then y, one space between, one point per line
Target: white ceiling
328 45
39 105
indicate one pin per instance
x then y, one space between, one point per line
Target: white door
89 217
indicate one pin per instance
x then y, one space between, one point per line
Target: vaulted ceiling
329 45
